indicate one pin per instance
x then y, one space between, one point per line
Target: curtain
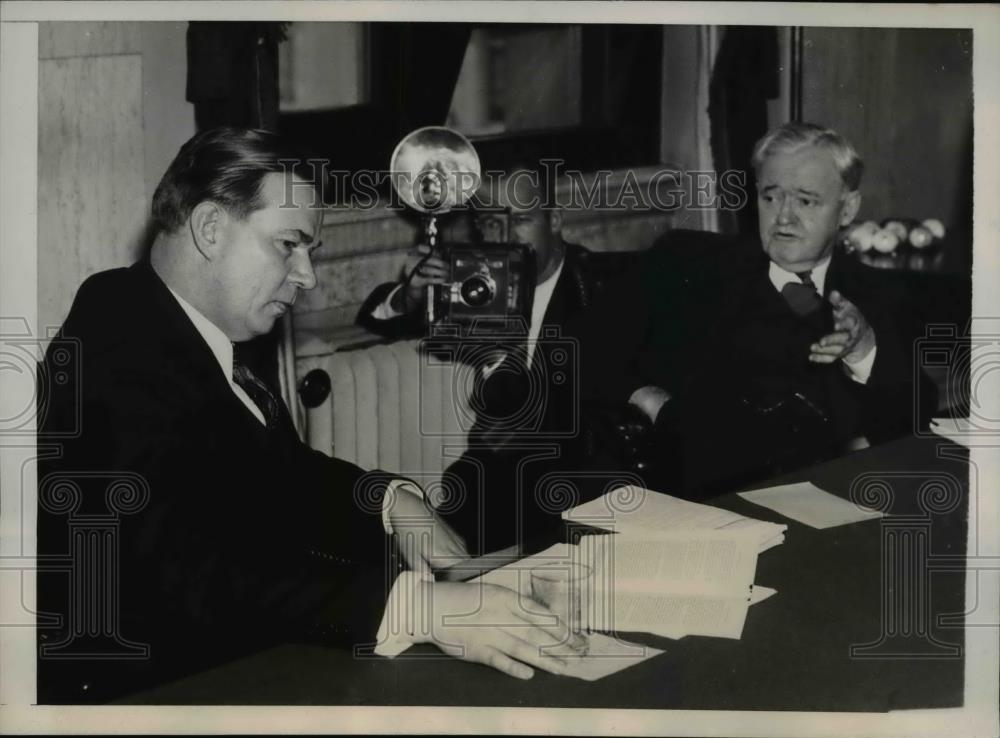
744 77
232 75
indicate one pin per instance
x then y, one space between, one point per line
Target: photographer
520 401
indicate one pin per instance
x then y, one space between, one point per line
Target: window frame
620 118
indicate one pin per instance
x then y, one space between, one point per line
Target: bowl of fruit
896 242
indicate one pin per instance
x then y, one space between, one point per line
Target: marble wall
111 116
91 198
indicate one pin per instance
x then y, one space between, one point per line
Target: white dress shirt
543 296
222 350
859 370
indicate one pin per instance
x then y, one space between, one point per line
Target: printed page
807 503
705 562
633 509
671 616
731 558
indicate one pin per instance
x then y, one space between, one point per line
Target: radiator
392 407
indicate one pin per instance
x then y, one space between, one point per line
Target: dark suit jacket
246 536
505 393
701 319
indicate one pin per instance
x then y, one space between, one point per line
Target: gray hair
794 136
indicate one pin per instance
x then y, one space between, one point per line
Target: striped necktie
259 392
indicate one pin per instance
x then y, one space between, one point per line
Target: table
834 591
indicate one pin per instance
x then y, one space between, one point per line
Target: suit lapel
751 288
174 329
836 273
171 325
556 310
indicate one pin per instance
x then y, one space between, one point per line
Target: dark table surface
880 585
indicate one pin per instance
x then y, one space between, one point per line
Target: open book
677 583
631 509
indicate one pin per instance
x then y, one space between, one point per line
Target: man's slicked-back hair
224 166
793 136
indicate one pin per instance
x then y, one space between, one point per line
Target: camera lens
477 291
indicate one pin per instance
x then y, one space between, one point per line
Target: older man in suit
752 359
241 536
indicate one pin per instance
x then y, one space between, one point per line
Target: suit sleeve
409 325
630 335
610 335
236 535
898 397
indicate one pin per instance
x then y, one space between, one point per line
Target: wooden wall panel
92 205
167 117
679 97
904 98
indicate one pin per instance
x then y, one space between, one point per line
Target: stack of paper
678 583
634 510
674 567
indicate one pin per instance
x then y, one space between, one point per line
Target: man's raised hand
426 268
852 338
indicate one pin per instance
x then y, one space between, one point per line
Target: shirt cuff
650 400
384 310
405 620
861 370
397 487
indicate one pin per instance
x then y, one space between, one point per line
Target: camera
488 286
491 284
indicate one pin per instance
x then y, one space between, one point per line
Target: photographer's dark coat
242 536
506 458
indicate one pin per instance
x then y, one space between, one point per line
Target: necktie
802 298
259 392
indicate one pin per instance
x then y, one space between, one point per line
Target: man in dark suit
755 359
237 534
525 394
